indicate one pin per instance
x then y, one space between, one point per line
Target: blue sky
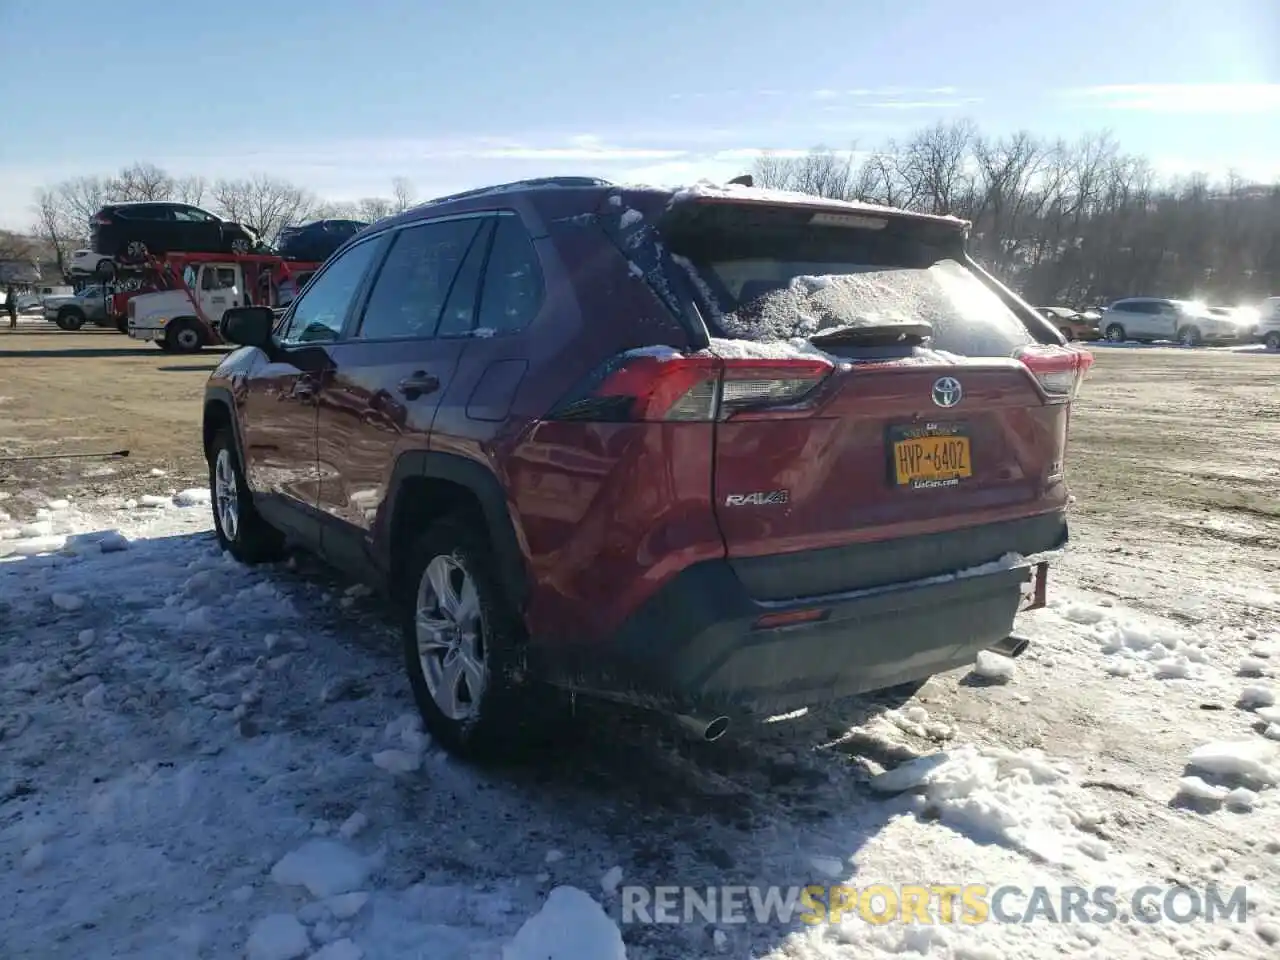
342 96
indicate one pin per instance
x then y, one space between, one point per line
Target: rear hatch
873 386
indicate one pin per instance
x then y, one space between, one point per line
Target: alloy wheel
226 494
449 629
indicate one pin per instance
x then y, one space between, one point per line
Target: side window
459 315
209 279
512 290
416 279
319 313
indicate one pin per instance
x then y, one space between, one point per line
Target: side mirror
248 326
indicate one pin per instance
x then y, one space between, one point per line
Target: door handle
418 383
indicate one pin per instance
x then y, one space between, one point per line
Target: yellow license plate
932 461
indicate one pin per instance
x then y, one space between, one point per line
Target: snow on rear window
773 300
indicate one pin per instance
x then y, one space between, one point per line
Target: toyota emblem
947 391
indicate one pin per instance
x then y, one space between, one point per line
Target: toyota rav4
722 453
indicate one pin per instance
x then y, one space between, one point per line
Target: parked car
1072 324
1147 319
1267 329
316 241
89 305
90 263
565 427
130 232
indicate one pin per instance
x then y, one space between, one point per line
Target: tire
484 712
1272 340
105 269
240 245
251 539
184 336
1190 337
136 250
1115 333
70 319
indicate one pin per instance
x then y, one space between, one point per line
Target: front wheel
240 529
183 336
70 319
1190 337
463 643
1115 333
241 246
1272 340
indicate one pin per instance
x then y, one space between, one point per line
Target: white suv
1268 329
1147 319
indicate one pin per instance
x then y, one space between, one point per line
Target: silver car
1147 319
71 313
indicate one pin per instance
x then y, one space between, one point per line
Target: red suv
723 453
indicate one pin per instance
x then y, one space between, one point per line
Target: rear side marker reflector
646 388
772 621
1059 370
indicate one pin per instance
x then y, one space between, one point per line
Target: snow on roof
706 190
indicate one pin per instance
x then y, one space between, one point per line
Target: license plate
930 455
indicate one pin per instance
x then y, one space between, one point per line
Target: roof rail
531 183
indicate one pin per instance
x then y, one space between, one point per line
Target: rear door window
416 279
512 290
774 273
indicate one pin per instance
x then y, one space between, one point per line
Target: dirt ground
97 391
1186 442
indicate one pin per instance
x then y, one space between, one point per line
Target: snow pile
993 666
193 497
277 937
408 745
570 926
1255 761
1015 798
325 867
1133 646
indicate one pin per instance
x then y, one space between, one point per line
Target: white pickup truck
184 322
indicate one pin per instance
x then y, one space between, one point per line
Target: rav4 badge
759 499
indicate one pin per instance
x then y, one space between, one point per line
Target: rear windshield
774 275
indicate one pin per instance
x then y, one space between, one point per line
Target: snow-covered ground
203 760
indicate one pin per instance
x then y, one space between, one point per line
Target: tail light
102 220
1059 370
642 387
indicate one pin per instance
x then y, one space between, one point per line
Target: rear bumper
697 646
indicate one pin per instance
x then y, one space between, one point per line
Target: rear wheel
1190 337
1272 340
463 643
241 531
240 245
136 250
1115 333
183 336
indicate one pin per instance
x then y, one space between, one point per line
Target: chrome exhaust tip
1011 646
704 729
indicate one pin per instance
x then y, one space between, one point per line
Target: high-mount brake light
1059 370
700 389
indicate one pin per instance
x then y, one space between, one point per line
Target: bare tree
263 203
142 181
190 190
401 195
370 209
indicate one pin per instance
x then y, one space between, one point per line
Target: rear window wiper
875 334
